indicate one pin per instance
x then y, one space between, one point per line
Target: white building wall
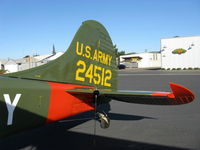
149 60
11 68
145 61
155 60
189 59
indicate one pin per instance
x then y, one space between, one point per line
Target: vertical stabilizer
89 60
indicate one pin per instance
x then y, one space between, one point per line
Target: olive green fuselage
28 107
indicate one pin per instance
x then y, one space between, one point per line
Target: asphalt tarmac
133 126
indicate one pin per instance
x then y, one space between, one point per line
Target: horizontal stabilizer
179 95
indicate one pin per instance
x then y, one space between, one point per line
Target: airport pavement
133 126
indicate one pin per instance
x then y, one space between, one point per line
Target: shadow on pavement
61 139
56 136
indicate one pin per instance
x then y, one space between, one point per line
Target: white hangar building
142 60
180 52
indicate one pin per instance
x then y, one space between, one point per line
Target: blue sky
28 27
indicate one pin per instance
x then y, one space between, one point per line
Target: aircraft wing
179 95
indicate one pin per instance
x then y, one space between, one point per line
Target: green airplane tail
89 60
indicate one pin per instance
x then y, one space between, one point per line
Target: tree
27 56
118 54
2 71
130 53
54 50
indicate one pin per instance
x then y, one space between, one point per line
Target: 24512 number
93 74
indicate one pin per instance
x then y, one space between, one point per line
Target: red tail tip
182 95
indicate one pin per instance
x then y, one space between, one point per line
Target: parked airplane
79 80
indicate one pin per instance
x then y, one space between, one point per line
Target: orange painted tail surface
181 94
